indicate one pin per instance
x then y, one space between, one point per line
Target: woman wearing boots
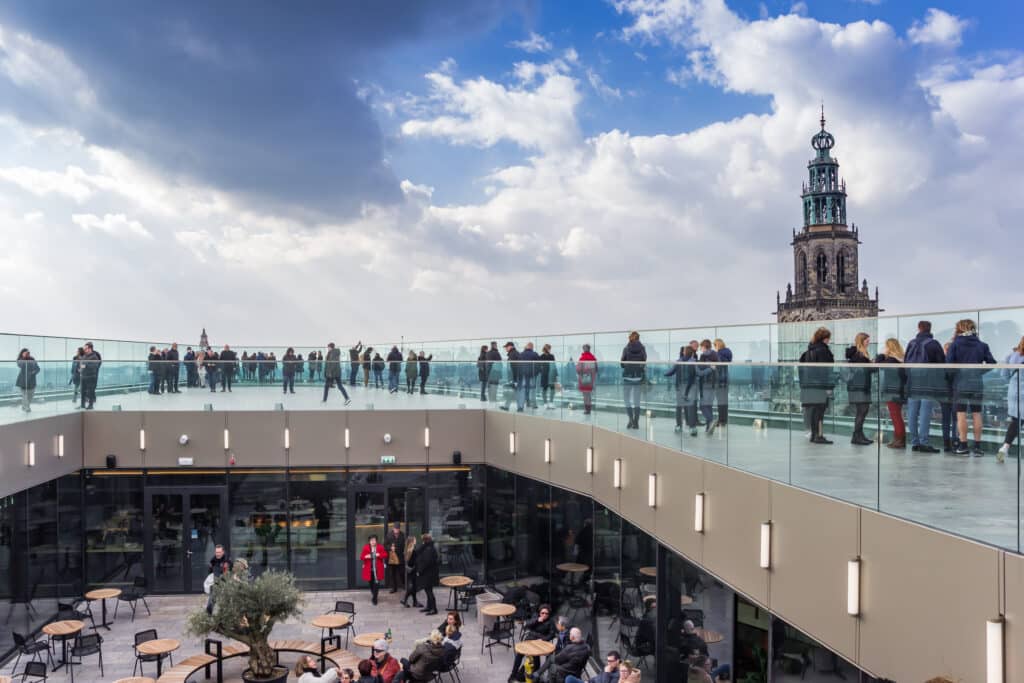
894 390
410 572
411 371
686 389
816 383
634 356
858 387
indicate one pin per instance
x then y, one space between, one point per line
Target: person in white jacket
306 671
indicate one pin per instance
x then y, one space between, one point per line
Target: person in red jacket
586 375
373 565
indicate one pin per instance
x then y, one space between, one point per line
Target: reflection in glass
319 528
259 519
113 530
456 513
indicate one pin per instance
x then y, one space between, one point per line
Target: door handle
188 553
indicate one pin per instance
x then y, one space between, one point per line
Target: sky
467 168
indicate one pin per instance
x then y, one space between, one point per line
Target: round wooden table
572 567
367 639
498 609
454 583
709 637
331 622
160 646
122 680
102 594
63 630
535 648
649 571
5 679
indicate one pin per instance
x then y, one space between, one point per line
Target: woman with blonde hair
1013 381
858 387
306 671
410 572
894 390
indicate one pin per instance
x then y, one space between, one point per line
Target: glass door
369 514
182 528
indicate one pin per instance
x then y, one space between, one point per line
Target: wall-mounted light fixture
348 441
547 450
590 459
227 439
287 438
426 437
652 489
617 473
853 587
142 439
766 545
698 513
994 655
30 453
60 445
511 443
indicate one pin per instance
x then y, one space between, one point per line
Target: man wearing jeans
332 372
923 386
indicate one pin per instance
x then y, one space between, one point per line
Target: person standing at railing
722 390
332 373
76 374
210 362
924 386
378 371
586 378
483 372
89 367
28 368
394 369
548 377
411 370
1013 379
708 375
367 362
527 371
153 363
199 363
894 390
288 371
424 361
516 372
858 386
299 365
816 383
228 363
353 359
493 371
968 387
632 362
685 381
173 368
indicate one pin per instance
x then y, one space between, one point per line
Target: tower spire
823 114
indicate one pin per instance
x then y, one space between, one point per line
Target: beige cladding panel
257 438
205 431
812 540
607 447
115 434
925 599
497 426
637 463
317 438
569 456
680 479
735 505
368 429
456 430
15 474
1014 614
530 435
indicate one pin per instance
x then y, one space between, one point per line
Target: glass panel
69 537
751 651
205 532
43 550
319 519
369 515
259 519
457 498
167 514
500 508
113 530
533 536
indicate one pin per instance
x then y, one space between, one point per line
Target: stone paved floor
169 614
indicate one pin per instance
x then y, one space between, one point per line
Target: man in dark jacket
924 386
424 361
516 372
173 369
542 627
570 661
89 368
191 374
493 371
228 361
531 364
394 369
353 359
154 370
427 572
332 372
968 386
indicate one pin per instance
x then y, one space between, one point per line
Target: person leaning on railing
924 386
633 359
89 369
28 368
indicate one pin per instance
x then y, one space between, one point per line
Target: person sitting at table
452 644
384 665
628 673
426 658
700 670
561 638
306 671
610 673
539 628
451 619
690 642
366 672
569 661
348 676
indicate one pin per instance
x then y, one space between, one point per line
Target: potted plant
246 610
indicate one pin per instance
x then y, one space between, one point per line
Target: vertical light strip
617 473
853 587
590 459
512 443
142 439
698 513
287 437
227 439
766 545
426 437
994 656
547 450
652 489
60 445
30 453
348 441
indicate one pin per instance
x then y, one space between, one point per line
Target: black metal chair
347 607
36 669
637 648
144 637
452 669
24 646
132 596
85 646
501 633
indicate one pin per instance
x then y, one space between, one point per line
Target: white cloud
112 223
533 43
601 88
72 182
938 28
798 8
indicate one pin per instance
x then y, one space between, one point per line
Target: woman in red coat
586 374
373 564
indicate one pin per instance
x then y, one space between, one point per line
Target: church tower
204 342
825 249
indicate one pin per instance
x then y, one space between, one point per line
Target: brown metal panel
15 473
205 431
680 478
497 426
257 438
112 433
530 435
637 463
367 430
607 447
317 438
569 444
456 430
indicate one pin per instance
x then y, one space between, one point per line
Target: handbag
393 557
208 583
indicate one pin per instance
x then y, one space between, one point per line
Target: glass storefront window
113 529
318 507
456 512
258 519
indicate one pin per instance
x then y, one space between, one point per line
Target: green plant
246 610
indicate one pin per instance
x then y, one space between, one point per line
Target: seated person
426 658
451 619
366 672
347 676
700 670
628 673
561 638
307 671
569 661
609 675
690 641
540 628
452 644
385 666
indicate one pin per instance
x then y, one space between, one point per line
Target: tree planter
280 676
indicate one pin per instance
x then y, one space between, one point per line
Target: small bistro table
102 594
63 630
455 583
157 648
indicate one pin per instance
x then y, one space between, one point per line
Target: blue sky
573 165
